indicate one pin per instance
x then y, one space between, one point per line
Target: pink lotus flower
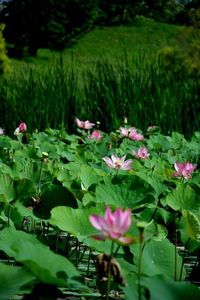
136 136
2 131
22 128
84 124
152 128
116 162
131 133
141 153
184 169
126 131
96 135
113 225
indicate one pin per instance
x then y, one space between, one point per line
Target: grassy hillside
112 42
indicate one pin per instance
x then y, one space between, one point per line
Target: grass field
111 42
109 74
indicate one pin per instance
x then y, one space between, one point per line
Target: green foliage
74 221
178 59
25 249
156 290
21 283
4 60
183 197
141 91
56 24
46 201
193 225
157 258
50 24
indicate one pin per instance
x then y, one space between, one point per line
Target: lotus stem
182 264
109 271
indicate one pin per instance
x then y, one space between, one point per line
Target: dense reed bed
143 92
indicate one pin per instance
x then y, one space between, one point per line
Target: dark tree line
55 24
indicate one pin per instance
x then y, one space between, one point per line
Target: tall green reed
141 91
144 93
40 97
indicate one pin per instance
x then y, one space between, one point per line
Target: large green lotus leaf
15 189
18 211
65 178
159 142
191 151
24 188
192 225
160 288
33 170
14 280
155 231
26 168
183 197
45 143
88 199
125 194
131 287
177 140
74 168
158 258
188 233
75 221
5 141
152 231
54 195
152 180
47 266
41 137
149 175
49 148
81 172
7 190
64 152
15 145
158 213
5 169
25 152
88 176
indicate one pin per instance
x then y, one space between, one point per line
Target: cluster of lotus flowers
183 170
20 129
131 133
114 225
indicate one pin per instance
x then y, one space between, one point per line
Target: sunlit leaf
88 176
193 225
7 190
158 258
74 221
183 197
132 193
